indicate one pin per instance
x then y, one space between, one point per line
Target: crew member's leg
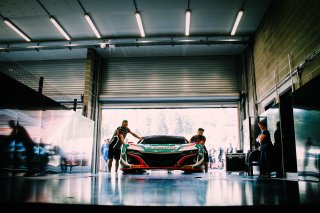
117 158
263 161
206 159
110 164
111 156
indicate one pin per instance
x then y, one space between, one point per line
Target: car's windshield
164 140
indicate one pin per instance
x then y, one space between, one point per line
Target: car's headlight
190 152
190 149
134 147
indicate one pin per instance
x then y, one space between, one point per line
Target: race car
162 152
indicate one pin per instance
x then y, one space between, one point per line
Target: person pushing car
201 139
115 144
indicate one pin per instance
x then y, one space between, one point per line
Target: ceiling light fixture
188 17
56 24
138 17
72 45
89 20
16 30
93 27
236 23
34 47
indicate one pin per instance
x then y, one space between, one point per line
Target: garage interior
72 70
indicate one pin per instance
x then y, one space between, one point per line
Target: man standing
266 148
116 142
201 139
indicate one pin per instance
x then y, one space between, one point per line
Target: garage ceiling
164 24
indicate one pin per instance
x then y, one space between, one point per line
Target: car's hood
164 148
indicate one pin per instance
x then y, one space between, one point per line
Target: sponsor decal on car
162 147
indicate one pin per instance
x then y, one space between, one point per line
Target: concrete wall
290 29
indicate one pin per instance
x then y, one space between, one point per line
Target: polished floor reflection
158 188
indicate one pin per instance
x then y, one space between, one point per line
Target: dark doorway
288 133
306 112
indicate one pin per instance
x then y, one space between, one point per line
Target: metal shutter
61 77
170 79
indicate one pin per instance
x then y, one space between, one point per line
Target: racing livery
162 152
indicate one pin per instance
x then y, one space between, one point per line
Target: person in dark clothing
266 148
201 139
20 134
115 144
277 162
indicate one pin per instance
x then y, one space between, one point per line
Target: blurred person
266 148
230 148
20 134
220 157
104 155
212 158
307 154
277 162
201 139
116 142
63 158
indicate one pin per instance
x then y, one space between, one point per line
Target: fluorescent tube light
35 47
188 16
236 23
16 30
93 27
138 17
55 23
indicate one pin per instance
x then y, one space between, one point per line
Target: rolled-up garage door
166 80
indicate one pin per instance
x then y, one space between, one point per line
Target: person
104 155
220 157
307 154
266 148
201 139
20 134
212 159
115 144
230 148
63 158
278 152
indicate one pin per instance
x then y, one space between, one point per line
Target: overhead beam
123 42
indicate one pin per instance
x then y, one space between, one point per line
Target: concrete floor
156 189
